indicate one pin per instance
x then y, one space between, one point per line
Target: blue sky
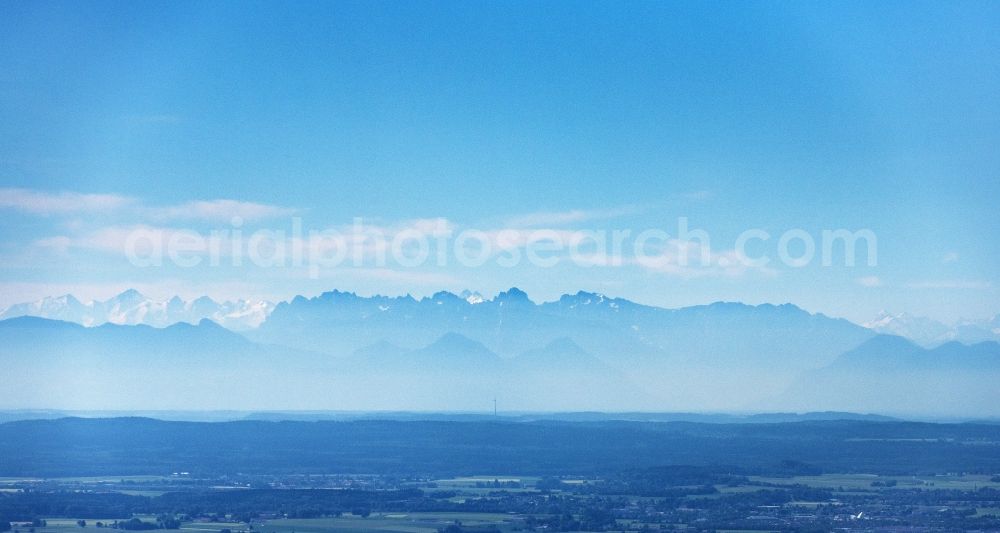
561 115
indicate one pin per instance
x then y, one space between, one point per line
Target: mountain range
132 308
929 333
184 366
888 373
611 328
584 351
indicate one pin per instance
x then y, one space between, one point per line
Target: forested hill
130 446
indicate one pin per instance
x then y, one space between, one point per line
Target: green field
83 479
864 481
466 487
387 522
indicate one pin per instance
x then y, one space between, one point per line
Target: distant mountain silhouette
43 337
558 376
451 352
893 375
561 355
113 366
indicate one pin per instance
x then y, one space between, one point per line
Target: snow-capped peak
131 308
472 297
929 332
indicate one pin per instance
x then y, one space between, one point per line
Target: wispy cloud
564 218
391 275
46 203
218 210
702 194
406 244
688 260
950 284
869 281
359 239
950 257
111 239
672 258
577 216
66 203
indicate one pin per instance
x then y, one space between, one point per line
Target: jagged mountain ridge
711 356
719 355
132 308
613 329
929 333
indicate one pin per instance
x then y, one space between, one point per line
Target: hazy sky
167 116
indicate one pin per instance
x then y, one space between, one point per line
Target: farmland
454 476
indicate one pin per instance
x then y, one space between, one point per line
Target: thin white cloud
950 257
950 284
688 260
674 257
433 227
869 281
217 210
564 218
65 203
359 240
391 275
697 195
113 239
60 203
381 246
